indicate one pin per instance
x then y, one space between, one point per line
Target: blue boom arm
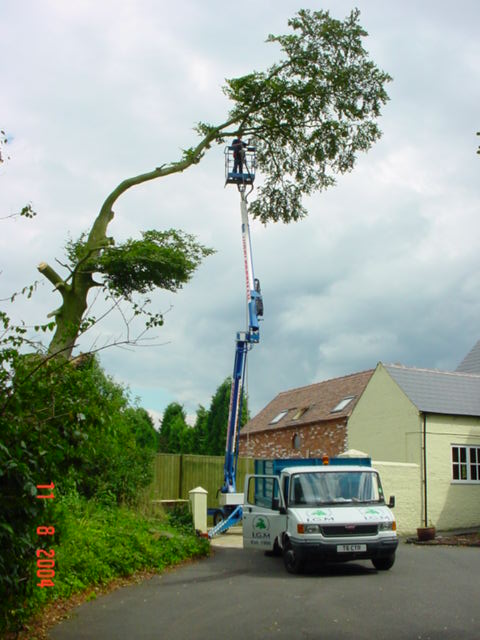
244 342
234 413
231 501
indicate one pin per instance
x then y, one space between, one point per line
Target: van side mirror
391 502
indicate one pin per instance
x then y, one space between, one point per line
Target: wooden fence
176 474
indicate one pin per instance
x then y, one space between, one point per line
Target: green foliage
165 259
20 515
208 436
70 425
217 420
180 437
175 434
78 252
199 439
142 427
27 211
311 113
180 517
95 543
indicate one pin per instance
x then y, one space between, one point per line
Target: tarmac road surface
431 593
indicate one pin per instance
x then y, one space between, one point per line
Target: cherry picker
242 174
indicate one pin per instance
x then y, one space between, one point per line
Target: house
431 419
471 362
307 422
421 427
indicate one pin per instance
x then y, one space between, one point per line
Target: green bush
68 424
181 518
94 543
97 542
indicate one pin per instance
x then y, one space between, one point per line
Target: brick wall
306 441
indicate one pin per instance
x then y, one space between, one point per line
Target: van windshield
335 487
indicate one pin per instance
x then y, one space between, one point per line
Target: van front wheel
384 564
293 561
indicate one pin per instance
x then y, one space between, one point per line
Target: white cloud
385 267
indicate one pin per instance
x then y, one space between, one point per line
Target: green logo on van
261 523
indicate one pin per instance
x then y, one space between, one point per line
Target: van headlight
308 528
312 528
387 526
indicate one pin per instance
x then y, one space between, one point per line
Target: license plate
349 548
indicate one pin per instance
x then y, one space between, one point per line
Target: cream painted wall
451 505
384 422
387 426
402 480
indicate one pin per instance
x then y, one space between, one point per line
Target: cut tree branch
51 275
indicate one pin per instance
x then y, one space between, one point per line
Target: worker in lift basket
238 147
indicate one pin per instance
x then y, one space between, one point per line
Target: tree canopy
172 438
208 435
309 115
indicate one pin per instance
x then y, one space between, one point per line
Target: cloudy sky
385 268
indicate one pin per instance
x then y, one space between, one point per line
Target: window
299 413
343 403
297 441
335 487
262 491
278 417
466 463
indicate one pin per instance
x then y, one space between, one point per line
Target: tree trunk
69 315
69 319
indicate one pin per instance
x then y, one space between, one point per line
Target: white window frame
467 466
279 416
342 404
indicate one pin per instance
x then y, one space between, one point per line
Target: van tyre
384 564
294 562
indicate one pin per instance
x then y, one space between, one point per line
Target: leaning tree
309 114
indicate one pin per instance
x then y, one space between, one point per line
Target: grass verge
97 546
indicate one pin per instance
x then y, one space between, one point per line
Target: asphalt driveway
430 593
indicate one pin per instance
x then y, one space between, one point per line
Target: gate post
198 499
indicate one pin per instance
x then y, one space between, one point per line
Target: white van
334 512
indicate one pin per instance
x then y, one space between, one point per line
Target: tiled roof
434 391
317 399
471 362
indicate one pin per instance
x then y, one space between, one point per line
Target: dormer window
299 413
344 402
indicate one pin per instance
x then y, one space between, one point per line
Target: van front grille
332 530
